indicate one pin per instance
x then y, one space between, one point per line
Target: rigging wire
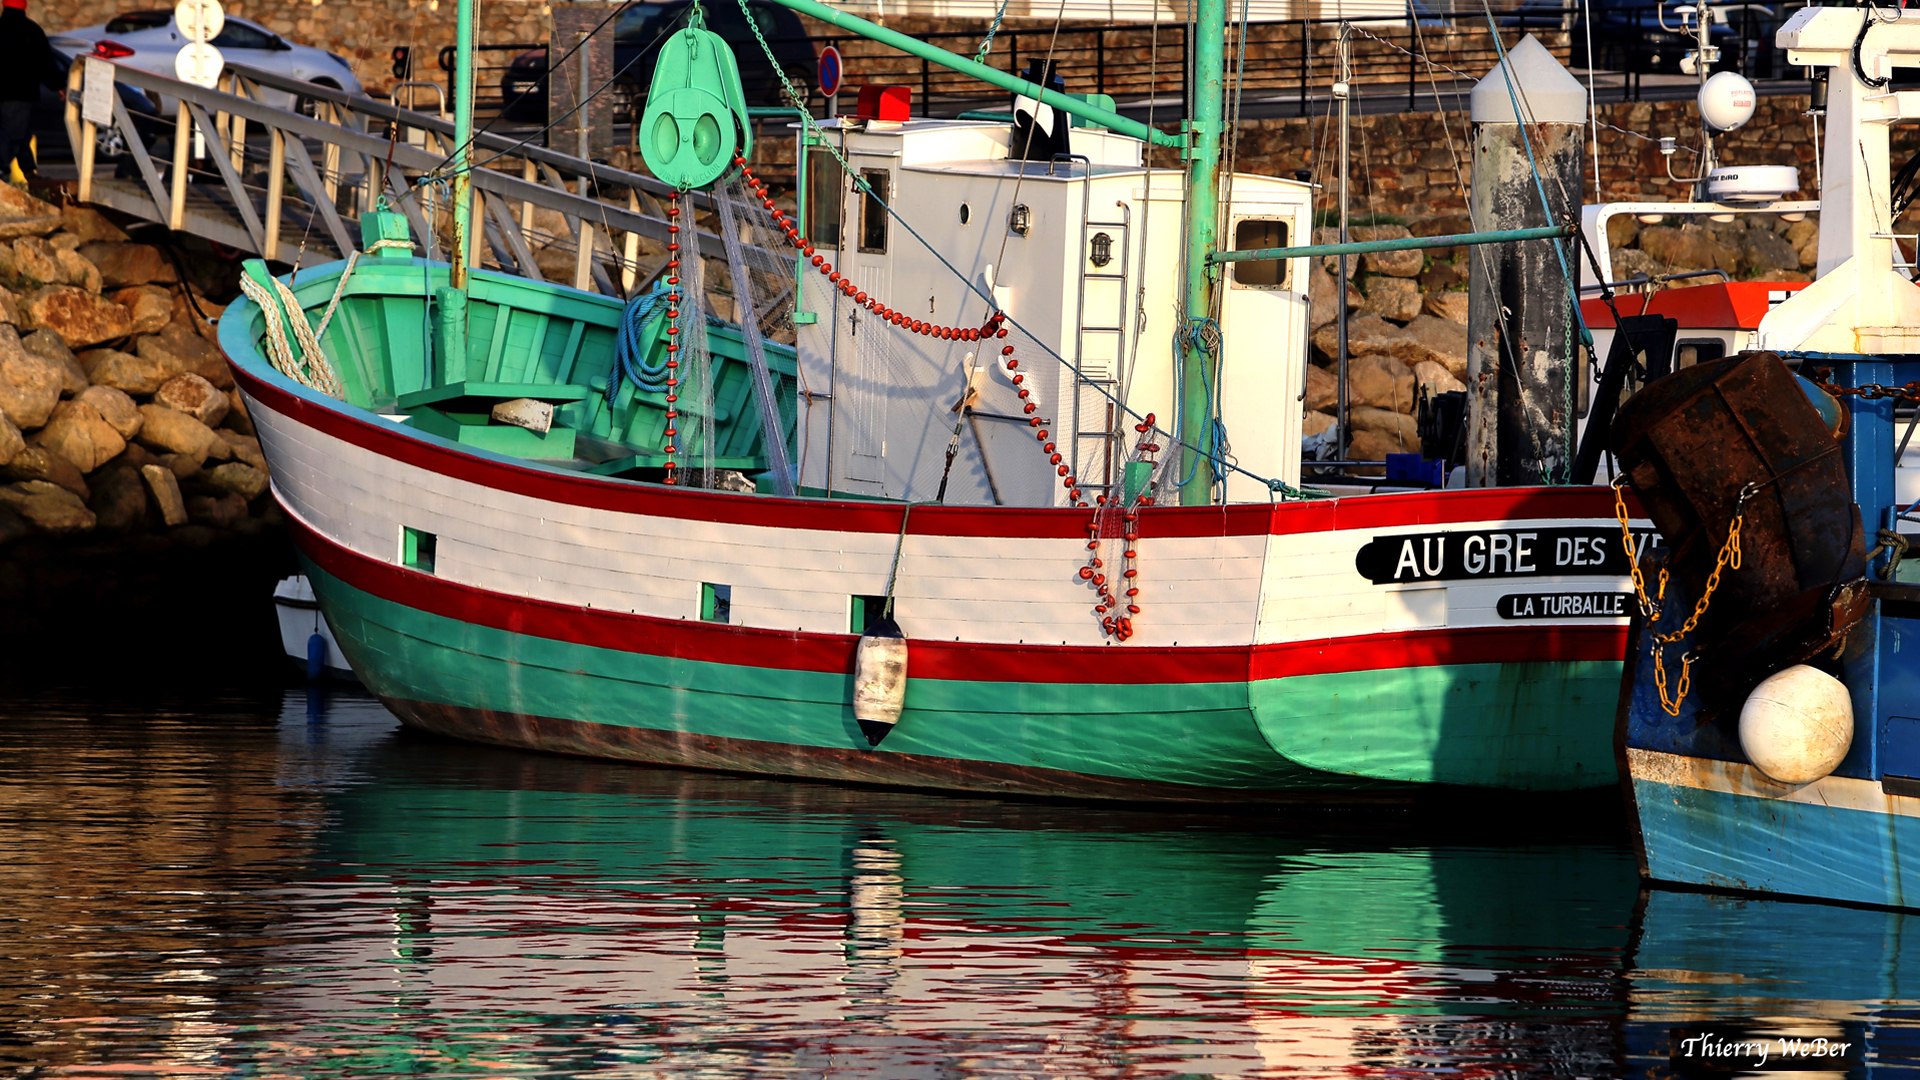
810 125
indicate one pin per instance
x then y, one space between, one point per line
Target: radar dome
1726 101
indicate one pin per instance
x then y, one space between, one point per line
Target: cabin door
864 377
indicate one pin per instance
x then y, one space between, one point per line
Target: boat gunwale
242 324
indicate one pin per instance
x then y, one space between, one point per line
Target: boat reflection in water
199 890
1768 970
580 912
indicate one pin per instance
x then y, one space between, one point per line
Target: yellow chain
1649 608
1729 557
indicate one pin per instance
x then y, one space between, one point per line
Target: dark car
1628 36
641 28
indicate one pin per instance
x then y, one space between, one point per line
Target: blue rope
629 346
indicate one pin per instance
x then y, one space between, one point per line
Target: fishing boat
1767 722
979 526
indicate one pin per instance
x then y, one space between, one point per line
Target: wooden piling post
1521 333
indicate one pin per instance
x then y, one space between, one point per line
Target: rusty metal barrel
1742 436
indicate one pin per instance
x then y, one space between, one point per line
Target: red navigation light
110 50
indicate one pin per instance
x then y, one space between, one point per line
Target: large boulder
246 448
48 344
1434 379
1379 381
1442 341
126 264
80 318
119 500
1762 250
23 215
165 430
1688 248
177 346
77 432
1439 277
89 224
48 507
11 441
1804 235
243 480
1404 263
28 263
1630 263
149 306
1397 426
30 384
115 407
1395 298
78 270
139 375
1374 446
9 308
1369 335
198 314
40 463
1451 306
1323 389
195 396
165 487
1323 307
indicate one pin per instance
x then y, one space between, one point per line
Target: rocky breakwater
121 435
1406 334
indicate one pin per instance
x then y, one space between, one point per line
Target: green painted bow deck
527 339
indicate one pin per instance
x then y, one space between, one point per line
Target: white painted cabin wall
936 166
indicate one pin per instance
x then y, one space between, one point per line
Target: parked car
1627 35
642 27
149 40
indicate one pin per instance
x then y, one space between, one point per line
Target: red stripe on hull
968 661
655 500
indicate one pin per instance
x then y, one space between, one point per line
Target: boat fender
879 679
1797 725
316 655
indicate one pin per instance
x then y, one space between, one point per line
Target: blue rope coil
629 345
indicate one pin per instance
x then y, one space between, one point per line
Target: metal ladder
1099 345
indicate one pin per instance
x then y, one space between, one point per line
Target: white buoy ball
1726 101
1797 725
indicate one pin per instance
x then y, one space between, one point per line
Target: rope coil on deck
312 370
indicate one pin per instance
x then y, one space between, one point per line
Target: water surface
273 883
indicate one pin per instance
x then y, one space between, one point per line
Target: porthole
966 213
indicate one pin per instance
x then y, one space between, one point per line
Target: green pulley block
696 116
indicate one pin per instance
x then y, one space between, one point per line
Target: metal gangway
341 160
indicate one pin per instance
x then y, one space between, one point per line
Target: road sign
830 71
199 63
199 20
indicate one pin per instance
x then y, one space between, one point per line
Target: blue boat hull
1723 824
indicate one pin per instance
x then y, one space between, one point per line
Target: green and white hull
1284 650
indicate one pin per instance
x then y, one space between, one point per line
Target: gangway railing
342 159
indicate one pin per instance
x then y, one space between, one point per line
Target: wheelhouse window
826 199
873 210
1252 234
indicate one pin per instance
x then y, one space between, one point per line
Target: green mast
1199 368
463 145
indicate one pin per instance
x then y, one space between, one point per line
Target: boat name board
1567 605
1456 556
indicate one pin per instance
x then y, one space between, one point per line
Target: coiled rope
630 347
312 370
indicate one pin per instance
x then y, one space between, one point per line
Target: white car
149 40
